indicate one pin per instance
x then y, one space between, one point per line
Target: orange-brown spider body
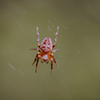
45 54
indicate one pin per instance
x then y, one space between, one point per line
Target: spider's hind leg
37 37
56 37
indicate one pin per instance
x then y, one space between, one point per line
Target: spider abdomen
46 45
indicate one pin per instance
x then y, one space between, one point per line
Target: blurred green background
78 77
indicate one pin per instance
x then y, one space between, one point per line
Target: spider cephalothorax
45 54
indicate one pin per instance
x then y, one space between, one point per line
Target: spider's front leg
55 37
36 65
42 60
52 56
36 59
56 62
51 65
37 37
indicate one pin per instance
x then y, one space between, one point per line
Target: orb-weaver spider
45 54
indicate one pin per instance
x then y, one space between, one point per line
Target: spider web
74 80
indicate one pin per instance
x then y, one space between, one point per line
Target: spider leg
35 59
56 62
37 37
42 61
52 57
35 49
36 65
55 37
55 50
51 66
47 61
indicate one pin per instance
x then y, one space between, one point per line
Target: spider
45 54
